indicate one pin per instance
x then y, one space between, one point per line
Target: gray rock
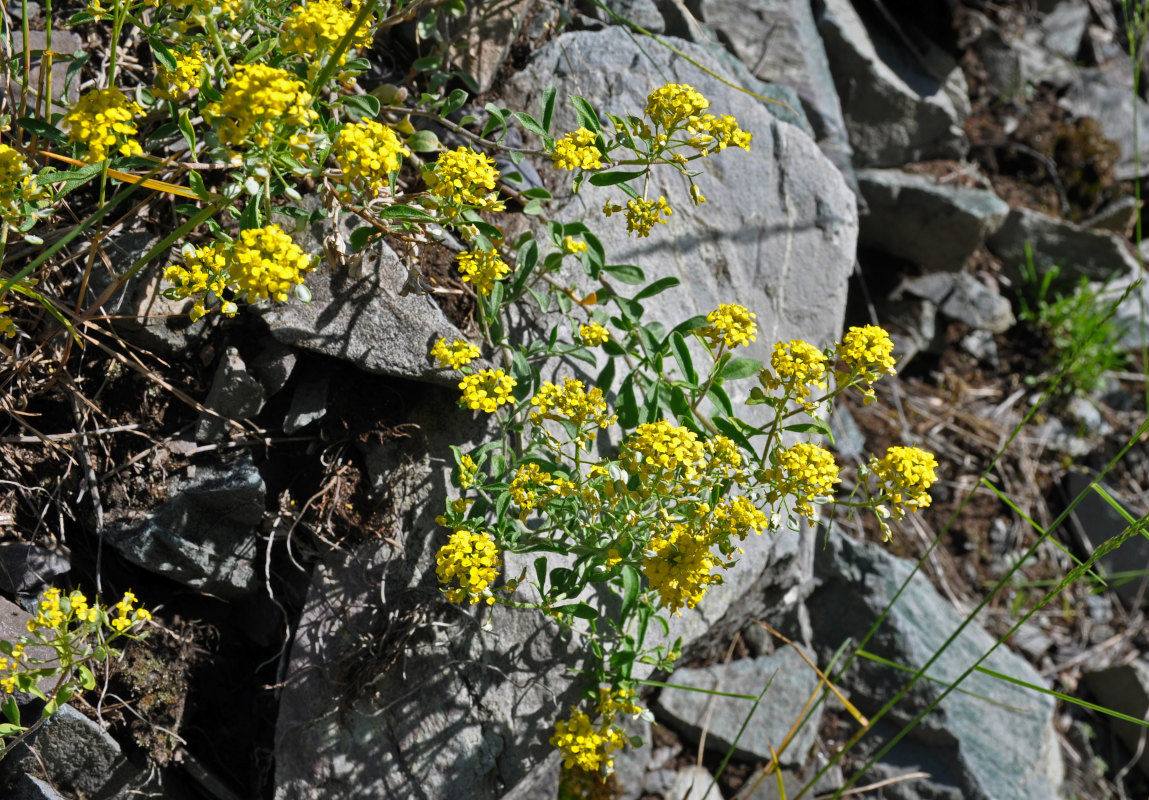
1057 243
363 320
791 683
1117 215
63 94
1106 95
898 107
1095 521
779 42
849 441
643 13
982 346
1125 689
13 625
1063 27
308 403
234 396
1128 296
631 763
272 365
916 217
29 788
691 783
992 738
962 297
25 567
204 535
71 753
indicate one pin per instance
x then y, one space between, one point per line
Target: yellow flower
172 85
641 214
258 101
730 324
101 120
678 568
265 262
482 268
463 178
530 487
806 472
659 448
584 747
577 150
315 28
867 350
571 246
473 560
467 472
717 132
674 103
16 184
487 390
905 475
797 366
454 355
574 404
593 334
368 152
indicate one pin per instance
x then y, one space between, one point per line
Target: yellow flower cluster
593 334
804 471
127 614
867 350
205 271
102 121
7 326
585 747
465 179
797 366
730 324
16 184
577 150
659 449
482 268
711 132
674 103
265 262
532 487
56 612
368 152
468 471
457 354
174 84
259 100
678 567
487 389
473 560
735 518
571 246
905 475
641 214
10 668
312 30
574 404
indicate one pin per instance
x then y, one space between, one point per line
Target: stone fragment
991 739
234 395
1074 250
1095 522
791 683
691 783
64 43
1117 216
308 403
933 224
25 567
643 13
898 107
29 788
71 753
205 534
962 297
1063 28
1125 689
1106 95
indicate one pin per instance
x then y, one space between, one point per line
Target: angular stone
990 739
234 395
1074 250
1117 215
916 217
64 43
24 567
1125 689
962 297
72 753
204 536
643 13
1096 521
1063 27
898 108
791 683
1106 95
308 403
691 783
29 788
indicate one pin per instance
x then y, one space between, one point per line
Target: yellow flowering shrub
368 152
461 179
904 476
730 325
577 150
593 334
481 268
473 560
103 121
260 101
454 355
174 84
314 28
486 390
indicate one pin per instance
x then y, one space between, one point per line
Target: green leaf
163 55
534 207
658 287
40 128
530 123
730 429
360 236
631 584
548 108
454 102
11 710
627 273
424 142
362 106
5 728
188 132
502 504
427 63
521 370
738 368
196 183
586 114
72 179
87 679
541 571
683 357
627 403
404 213
615 177
606 377
719 397
250 218
817 426
630 309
